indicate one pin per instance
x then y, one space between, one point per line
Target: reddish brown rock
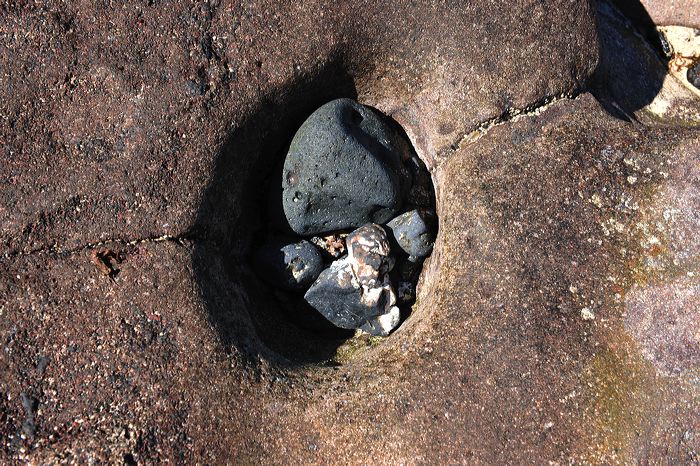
670 12
154 123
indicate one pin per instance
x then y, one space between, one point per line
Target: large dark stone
344 169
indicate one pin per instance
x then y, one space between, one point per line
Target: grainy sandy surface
148 129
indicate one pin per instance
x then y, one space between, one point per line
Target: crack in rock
180 240
511 114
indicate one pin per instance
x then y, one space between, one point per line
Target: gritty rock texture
557 259
672 343
154 125
132 148
288 266
344 169
664 12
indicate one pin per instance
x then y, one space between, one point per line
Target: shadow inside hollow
246 312
630 70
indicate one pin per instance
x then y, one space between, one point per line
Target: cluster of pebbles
358 207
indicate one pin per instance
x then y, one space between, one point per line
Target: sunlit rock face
153 142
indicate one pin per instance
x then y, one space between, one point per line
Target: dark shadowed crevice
629 75
235 216
243 310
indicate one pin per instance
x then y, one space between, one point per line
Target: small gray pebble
413 233
195 88
288 266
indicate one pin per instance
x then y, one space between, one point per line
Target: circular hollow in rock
258 319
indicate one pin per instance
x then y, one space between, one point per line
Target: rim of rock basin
248 314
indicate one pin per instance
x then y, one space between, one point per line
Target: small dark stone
694 74
356 291
339 298
30 405
41 364
413 233
344 168
288 266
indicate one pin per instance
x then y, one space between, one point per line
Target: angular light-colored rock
383 325
355 291
368 249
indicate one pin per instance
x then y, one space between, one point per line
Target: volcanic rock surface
344 168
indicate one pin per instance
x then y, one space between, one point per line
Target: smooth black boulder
288 266
344 169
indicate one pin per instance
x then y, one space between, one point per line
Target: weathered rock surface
132 149
369 254
382 325
178 357
663 12
344 168
288 266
